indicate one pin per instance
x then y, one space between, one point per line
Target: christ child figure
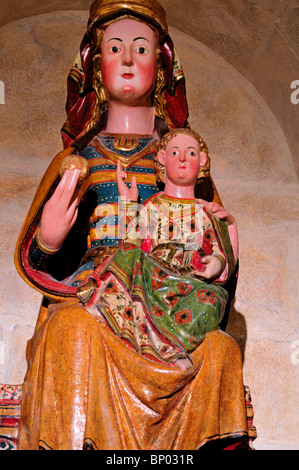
173 225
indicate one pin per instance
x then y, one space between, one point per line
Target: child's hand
124 191
213 268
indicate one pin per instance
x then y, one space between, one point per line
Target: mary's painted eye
141 50
174 153
114 49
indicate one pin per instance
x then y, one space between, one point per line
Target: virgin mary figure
86 388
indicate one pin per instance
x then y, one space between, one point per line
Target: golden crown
149 9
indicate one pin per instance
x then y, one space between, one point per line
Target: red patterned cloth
10 404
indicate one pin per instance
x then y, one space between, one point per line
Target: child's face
182 161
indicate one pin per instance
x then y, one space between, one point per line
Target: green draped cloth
182 308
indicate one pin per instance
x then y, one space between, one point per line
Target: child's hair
160 169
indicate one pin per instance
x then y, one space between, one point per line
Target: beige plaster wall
254 172
260 38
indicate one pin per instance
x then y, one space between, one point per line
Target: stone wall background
253 167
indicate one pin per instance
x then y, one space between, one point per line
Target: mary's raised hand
60 211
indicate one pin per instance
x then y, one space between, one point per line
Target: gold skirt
85 388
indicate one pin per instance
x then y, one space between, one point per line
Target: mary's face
129 62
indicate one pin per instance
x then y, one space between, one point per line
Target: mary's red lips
128 75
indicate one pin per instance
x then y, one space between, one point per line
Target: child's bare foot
94 311
184 364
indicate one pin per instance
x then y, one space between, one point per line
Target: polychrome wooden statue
87 386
